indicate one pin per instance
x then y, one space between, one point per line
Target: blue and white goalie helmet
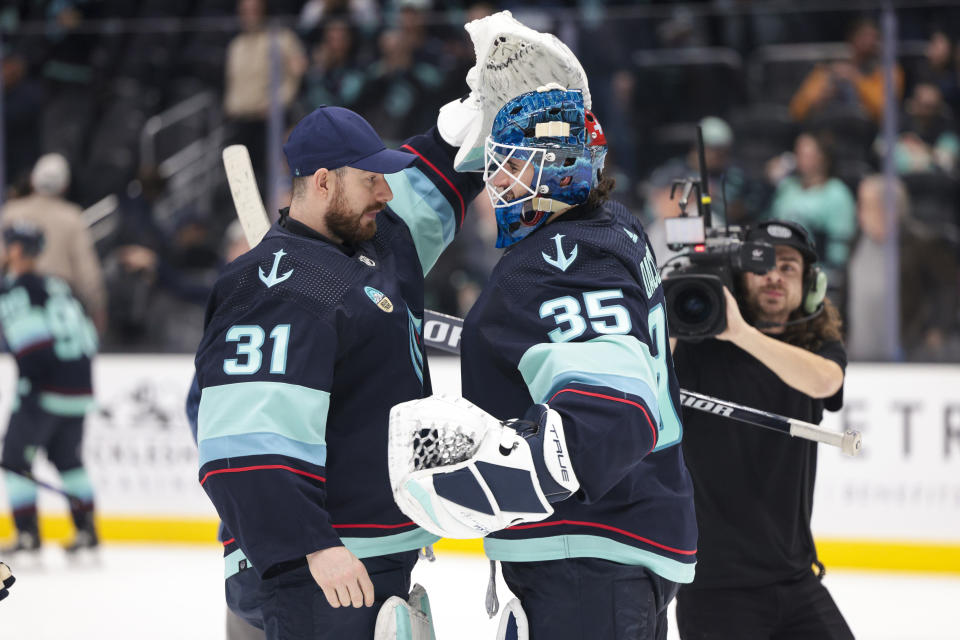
550 132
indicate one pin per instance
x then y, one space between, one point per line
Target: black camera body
709 260
693 287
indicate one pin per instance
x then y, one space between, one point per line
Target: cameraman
780 352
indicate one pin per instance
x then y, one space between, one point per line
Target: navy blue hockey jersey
53 342
307 346
573 316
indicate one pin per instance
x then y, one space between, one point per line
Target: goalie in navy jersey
585 500
310 338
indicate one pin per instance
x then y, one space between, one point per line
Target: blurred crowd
792 105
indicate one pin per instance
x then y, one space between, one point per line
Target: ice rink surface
153 593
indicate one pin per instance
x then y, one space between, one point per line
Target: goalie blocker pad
510 477
406 620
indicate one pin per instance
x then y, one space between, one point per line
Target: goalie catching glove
458 472
6 580
512 59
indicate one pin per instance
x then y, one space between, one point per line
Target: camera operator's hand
737 327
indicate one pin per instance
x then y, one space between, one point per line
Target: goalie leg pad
406 620
513 623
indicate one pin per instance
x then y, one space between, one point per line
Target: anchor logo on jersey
562 261
273 278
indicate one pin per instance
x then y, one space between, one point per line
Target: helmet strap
549 205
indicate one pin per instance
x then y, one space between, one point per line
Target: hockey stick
246 197
443 332
72 499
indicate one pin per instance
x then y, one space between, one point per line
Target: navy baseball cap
334 137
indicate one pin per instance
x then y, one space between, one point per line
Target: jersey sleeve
602 361
265 377
430 196
27 332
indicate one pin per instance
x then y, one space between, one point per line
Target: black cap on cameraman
786 233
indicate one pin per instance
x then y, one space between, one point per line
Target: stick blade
246 197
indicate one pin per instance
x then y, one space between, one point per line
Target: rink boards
897 506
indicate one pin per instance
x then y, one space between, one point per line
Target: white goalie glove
458 472
511 59
6 580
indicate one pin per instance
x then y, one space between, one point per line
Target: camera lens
693 306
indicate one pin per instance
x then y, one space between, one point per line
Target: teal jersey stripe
295 412
582 546
382 545
27 329
76 482
20 491
253 444
65 405
426 211
619 362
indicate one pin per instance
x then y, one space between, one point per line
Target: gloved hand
6 580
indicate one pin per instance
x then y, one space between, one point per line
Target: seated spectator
939 68
857 82
724 175
928 140
821 202
659 206
333 77
398 89
68 251
928 282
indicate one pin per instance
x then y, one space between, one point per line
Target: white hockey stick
246 197
443 332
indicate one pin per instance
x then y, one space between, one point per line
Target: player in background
53 342
781 352
310 338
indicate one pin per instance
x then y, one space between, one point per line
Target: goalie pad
406 620
513 623
511 59
458 472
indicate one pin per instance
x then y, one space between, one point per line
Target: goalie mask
551 137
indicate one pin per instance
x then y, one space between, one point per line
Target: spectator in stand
724 174
929 279
247 89
68 250
819 201
396 89
856 82
939 68
333 77
928 139
659 206
22 108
